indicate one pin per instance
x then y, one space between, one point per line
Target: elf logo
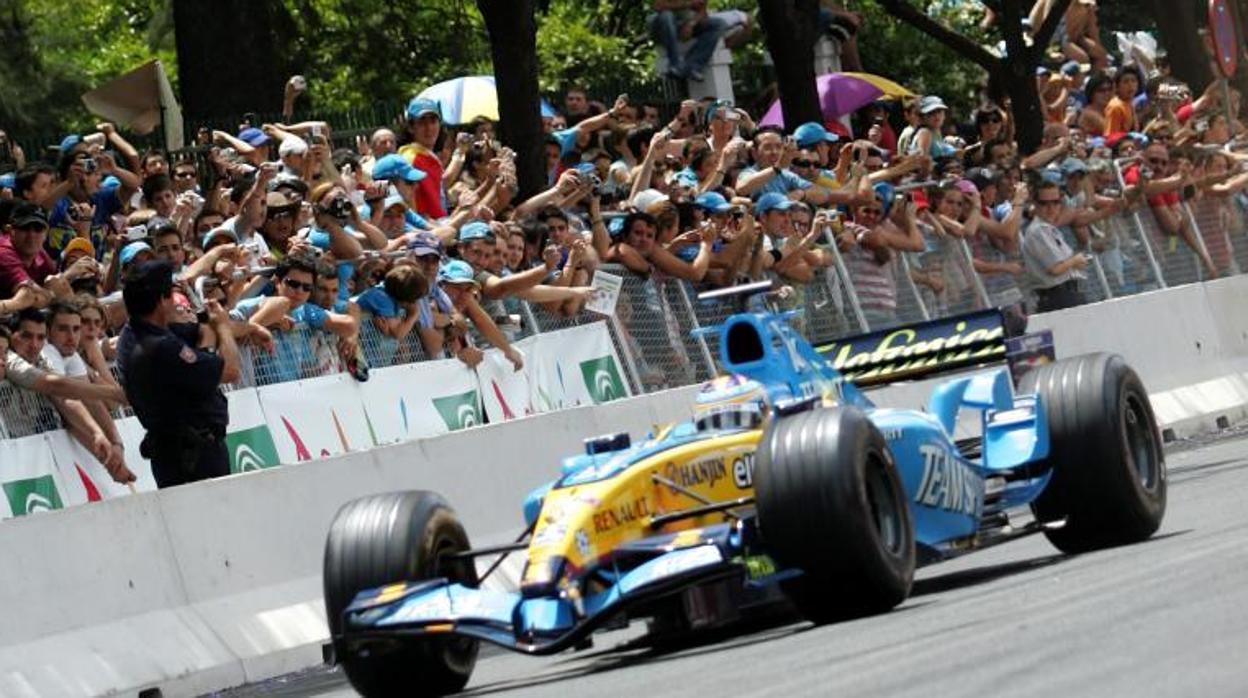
602 378
459 411
32 495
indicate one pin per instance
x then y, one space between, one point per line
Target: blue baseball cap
885 193
425 243
686 178
8 180
811 133
457 271
713 202
1072 166
419 106
772 201
475 230
395 166
134 249
253 136
68 142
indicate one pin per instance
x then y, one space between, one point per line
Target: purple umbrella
839 94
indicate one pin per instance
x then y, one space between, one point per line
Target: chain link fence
655 329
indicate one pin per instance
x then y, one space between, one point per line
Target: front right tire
830 502
384 539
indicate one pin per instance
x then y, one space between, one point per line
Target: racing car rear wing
921 350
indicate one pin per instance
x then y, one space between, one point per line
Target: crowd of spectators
414 243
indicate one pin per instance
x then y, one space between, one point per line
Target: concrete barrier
199 588
203 587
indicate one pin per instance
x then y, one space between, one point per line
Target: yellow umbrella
890 89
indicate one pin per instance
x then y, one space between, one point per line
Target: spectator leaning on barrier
60 356
1055 268
457 279
172 375
27 368
870 244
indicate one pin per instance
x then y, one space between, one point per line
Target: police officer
172 372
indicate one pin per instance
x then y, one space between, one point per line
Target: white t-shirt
71 366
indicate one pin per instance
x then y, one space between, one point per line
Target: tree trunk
1181 39
1018 72
231 56
512 27
790 26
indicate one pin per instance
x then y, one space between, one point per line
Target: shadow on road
982 575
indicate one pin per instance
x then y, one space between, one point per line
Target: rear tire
830 502
388 538
1109 470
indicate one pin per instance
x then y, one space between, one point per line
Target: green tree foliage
51 51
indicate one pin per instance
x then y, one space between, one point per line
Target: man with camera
84 204
172 373
1055 268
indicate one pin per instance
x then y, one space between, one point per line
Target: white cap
647 198
292 145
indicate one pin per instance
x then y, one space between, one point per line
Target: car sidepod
945 491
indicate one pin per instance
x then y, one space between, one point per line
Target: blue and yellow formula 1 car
787 481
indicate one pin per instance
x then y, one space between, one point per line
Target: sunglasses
993 119
804 163
299 285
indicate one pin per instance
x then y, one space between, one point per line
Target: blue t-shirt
310 314
293 357
376 301
783 183
107 203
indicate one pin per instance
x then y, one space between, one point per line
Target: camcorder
339 209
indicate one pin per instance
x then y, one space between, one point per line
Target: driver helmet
730 402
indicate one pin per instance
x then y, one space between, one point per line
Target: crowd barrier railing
654 328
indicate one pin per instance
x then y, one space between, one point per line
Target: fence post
695 325
1139 227
980 290
1100 270
1200 242
530 317
846 283
630 362
914 288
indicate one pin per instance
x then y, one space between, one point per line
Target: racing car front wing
541 625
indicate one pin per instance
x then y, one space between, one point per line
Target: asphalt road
1168 617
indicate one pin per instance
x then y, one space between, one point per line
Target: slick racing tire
388 538
830 502
1109 471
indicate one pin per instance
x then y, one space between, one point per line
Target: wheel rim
885 506
1141 446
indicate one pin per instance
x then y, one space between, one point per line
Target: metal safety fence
655 327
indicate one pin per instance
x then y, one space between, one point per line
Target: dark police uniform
173 387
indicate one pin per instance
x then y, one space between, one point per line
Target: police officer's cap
154 277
